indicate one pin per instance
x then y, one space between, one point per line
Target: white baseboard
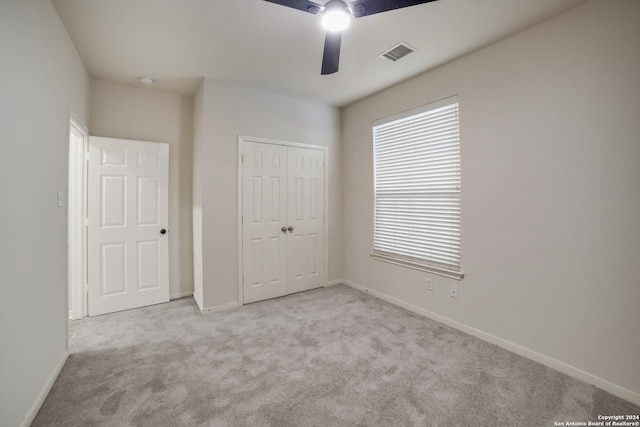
334 282
222 307
45 391
180 294
557 365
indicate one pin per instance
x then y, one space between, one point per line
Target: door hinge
87 156
242 159
85 288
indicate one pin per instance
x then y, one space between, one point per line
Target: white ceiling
271 47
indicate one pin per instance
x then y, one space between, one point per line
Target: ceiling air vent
398 52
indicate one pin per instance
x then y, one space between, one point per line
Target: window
417 208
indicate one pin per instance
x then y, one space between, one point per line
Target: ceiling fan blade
369 7
303 5
331 55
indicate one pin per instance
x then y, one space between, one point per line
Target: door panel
113 266
306 216
282 187
127 207
113 201
148 200
148 262
264 185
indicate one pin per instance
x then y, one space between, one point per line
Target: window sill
456 275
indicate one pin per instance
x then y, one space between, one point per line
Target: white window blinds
417 188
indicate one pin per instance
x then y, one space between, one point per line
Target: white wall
550 121
230 111
41 79
145 114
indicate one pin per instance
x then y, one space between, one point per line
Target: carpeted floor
328 357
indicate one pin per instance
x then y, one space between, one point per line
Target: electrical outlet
454 291
428 284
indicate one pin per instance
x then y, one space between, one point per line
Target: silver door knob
290 228
284 229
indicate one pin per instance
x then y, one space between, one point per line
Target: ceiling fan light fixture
336 16
146 80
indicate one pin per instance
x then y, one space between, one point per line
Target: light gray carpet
328 357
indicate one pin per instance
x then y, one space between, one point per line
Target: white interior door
128 186
264 214
283 225
306 219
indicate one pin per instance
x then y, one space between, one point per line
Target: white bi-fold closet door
283 219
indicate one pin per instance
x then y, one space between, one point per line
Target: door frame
76 221
242 139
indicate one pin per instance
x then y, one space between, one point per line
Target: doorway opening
77 214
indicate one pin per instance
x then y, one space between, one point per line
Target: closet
282 219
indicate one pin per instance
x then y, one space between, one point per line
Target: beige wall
550 172
119 111
41 79
230 111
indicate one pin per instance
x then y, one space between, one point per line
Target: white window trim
404 261
452 274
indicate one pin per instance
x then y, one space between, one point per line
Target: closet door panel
264 211
306 218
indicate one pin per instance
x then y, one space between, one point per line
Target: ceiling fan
336 16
